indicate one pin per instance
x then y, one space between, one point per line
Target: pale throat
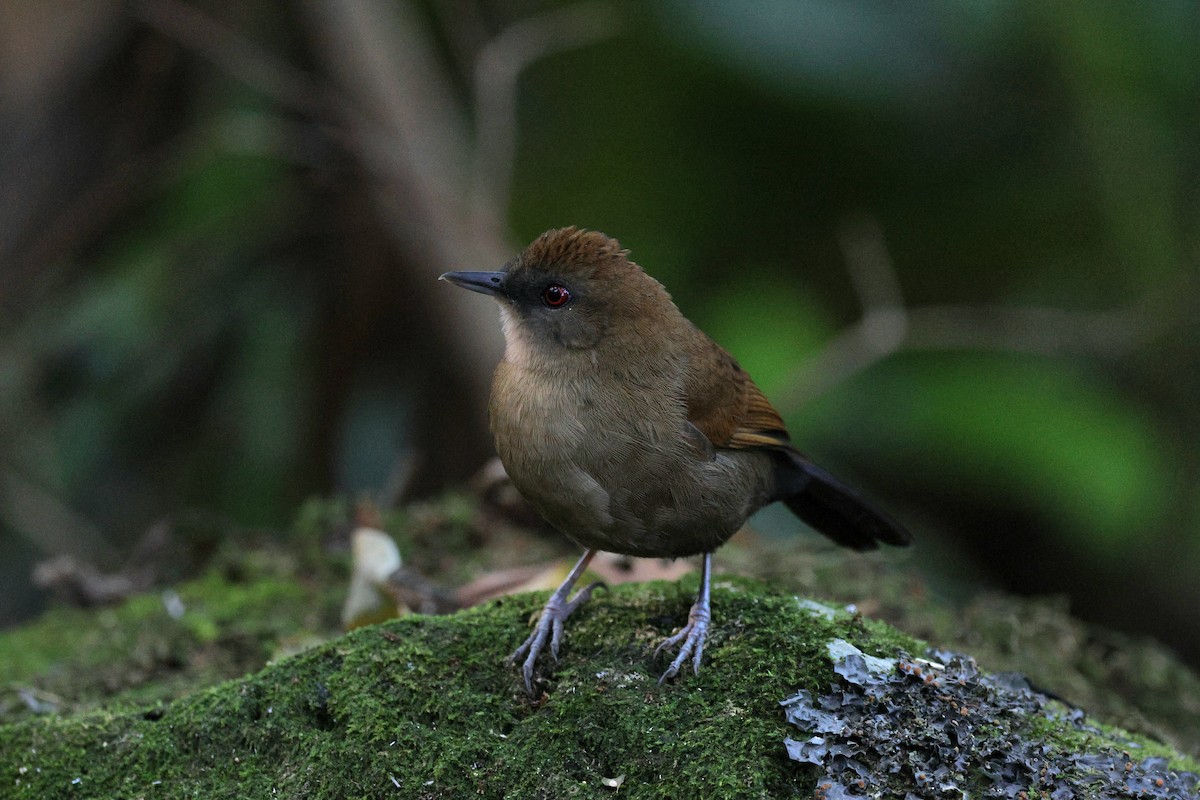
523 350
519 350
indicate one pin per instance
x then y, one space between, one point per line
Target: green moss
155 647
426 707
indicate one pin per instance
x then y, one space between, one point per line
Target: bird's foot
692 635
550 626
695 632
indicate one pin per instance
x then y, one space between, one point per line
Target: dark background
955 242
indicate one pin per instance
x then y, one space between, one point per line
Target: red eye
556 296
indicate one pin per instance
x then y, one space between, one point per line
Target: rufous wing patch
726 406
760 425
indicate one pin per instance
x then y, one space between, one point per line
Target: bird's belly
643 501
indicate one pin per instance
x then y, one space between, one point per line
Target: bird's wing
725 405
760 425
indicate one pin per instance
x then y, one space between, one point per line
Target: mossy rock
426 707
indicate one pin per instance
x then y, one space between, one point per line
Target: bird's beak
483 282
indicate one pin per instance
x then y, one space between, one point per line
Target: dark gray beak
491 283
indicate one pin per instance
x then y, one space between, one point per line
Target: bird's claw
549 626
693 636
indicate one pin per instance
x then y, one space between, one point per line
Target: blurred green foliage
1023 431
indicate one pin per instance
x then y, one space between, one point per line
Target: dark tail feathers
833 508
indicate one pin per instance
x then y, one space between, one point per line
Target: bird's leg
550 623
694 633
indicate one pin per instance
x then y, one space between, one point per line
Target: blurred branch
497 68
463 25
48 53
397 116
410 136
884 322
888 327
234 54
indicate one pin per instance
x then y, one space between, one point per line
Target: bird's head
571 289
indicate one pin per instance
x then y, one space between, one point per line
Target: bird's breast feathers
595 468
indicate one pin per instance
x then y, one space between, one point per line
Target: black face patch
526 288
569 323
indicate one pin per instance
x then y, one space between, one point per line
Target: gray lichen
925 729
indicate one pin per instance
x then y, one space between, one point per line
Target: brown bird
631 431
